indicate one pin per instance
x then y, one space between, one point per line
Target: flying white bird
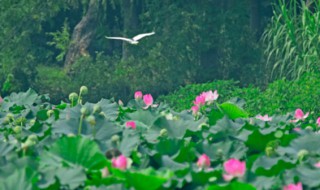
134 40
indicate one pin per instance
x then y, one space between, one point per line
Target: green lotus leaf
233 111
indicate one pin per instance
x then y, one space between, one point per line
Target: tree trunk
83 34
255 17
130 15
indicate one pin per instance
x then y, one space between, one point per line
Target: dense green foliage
194 42
70 146
279 97
191 139
182 99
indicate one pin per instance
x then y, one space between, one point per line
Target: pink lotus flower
200 100
203 161
318 121
148 100
211 96
264 118
297 186
317 165
138 95
299 115
131 124
206 97
1 99
120 162
195 110
234 168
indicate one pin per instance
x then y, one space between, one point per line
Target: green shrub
279 97
183 98
54 81
283 96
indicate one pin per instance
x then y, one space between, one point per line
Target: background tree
50 43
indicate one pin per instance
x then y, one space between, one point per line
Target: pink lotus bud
318 121
317 165
264 118
105 172
234 168
200 100
119 162
1 99
131 124
203 161
138 95
300 115
120 102
297 186
211 96
195 110
148 100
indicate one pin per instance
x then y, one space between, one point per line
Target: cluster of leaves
70 146
207 41
279 97
292 38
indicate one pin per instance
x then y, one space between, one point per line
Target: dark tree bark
255 17
83 34
130 13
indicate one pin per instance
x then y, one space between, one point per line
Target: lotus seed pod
219 152
169 116
91 119
9 117
84 111
33 138
302 154
6 121
309 128
70 135
32 122
83 90
73 97
20 121
163 113
269 151
50 113
27 144
17 129
97 108
278 134
163 132
115 138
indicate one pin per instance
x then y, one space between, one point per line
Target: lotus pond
145 145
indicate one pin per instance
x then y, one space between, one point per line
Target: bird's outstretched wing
138 37
120 38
